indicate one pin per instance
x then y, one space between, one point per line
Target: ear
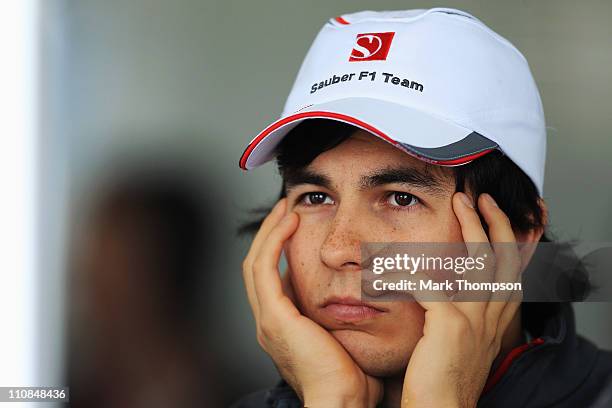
529 239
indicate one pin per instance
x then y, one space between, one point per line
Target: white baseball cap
437 84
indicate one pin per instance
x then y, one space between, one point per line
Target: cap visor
417 133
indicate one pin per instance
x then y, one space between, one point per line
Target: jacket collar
546 370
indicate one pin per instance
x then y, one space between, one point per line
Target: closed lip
349 309
351 301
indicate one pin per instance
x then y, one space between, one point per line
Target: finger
247 267
508 265
430 299
500 229
512 306
442 318
266 276
275 215
477 245
471 227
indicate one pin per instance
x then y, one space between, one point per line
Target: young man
409 126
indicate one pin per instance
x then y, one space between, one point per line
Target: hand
308 357
450 363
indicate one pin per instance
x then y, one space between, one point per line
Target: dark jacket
556 369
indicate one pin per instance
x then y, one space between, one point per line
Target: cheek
451 228
303 246
439 226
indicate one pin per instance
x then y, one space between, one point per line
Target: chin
376 356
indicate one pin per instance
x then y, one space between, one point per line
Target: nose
341 249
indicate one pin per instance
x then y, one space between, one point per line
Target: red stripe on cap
304 115
341 20
505 364
452 162
353 121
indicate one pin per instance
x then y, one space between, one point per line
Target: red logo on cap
371 47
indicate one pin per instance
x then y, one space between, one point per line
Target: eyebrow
305 176
411 176
423 180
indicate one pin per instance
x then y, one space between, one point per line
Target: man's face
364 190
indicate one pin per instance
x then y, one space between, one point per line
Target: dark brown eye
317 198
401 199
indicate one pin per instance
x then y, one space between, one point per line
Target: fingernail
490 200
466 200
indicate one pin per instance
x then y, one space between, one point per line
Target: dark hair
493 173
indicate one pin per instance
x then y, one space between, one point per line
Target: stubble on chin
374 356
